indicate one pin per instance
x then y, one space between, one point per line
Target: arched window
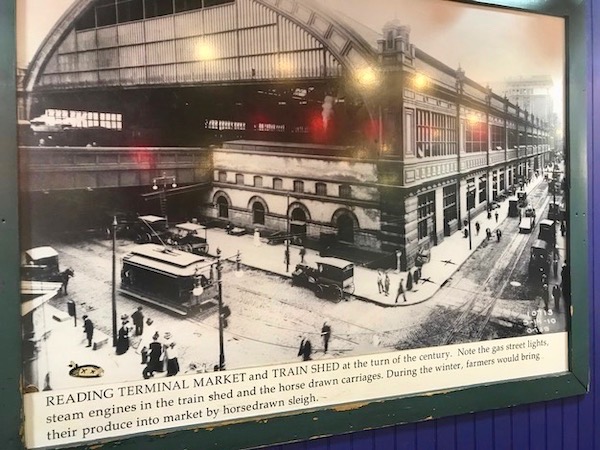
258 213
277 183
223 207
258 181
345 226
298 186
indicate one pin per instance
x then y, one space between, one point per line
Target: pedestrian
144 353
302 254
545 294
409 282
563 228
498 234
488 234
171 358
123 338
88 328
417 275
138 321
386 284
400 291
154 361
465 233
380 286
555 265
556 296
305 349
477 228
496 216
256 237
326 334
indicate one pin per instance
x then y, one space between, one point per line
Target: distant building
533 94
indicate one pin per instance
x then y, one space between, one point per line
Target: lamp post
470 204
114 281
163 181
287 232
220 302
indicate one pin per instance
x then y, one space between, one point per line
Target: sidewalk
446 259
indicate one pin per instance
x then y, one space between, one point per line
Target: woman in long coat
154 357
123 339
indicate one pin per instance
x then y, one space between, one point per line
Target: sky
490 44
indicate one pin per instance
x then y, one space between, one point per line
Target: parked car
547 231
190 237
150 228
332 279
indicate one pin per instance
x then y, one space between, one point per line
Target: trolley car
178 281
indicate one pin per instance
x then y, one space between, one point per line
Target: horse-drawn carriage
41 264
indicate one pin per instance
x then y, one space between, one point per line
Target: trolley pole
114 281
220 300
287 241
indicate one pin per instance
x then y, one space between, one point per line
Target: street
488 297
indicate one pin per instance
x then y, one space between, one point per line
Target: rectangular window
87 20
239 178
476 136
345 191
106 13
482 188
425 213
258 181
497 137
321 189
130 10
277 183
436 134
222 176
155 8
208 3
187 5
450 203
298 186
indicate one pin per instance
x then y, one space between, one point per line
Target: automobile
539 259
41 264
234 231
126 223
547 231
190 237
150 229
513 207
554 211
522 197
278 237
332 279
527 221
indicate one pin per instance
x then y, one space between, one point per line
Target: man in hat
138 321
88 328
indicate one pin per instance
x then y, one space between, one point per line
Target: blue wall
567 424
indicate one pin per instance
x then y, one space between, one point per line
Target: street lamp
470 204
220 302
114 281
162 182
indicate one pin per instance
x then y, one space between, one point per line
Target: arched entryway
222 207
346 223
258 213
298 219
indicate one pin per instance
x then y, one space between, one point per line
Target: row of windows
344 190
111 12
218 124
88 119
476 137
425 211
436 134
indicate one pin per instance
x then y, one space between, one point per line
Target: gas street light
162 183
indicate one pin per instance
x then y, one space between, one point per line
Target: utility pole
114 281
220 300
287 240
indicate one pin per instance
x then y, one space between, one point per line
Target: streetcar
172 279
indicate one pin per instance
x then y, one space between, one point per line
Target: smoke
327 110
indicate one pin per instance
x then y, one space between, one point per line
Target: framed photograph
247 222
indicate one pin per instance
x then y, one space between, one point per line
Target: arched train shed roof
256 39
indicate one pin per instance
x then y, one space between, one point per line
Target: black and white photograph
214 185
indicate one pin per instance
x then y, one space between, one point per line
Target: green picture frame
324 422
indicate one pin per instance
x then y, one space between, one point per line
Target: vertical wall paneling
406 437
384 439
131 33
221 18
537 421
465 432
445 431
107 37
425 434
86 40
132 56
160 29
484 428
69 44
554 426
108 58
87 60
501 432
189 24
160 52
132 76
252 14
570 419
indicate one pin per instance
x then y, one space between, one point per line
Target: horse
64 277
